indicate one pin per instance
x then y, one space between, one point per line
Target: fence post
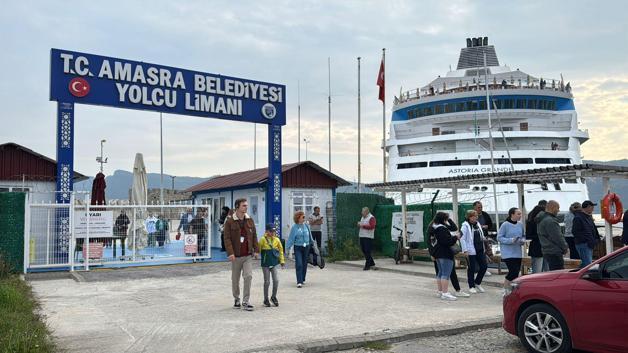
86 242
27 231
72 232
134 232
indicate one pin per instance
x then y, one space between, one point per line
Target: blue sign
99 80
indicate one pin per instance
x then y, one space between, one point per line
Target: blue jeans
300 259
445 266
586 254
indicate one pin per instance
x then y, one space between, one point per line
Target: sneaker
439 294
247 307
275 301
479 288
237 304
299 285
266 303
488 273
473 291
366 268
374 268
461 294
448 296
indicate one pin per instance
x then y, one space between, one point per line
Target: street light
100 159
307 141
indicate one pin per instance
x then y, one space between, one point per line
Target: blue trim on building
561 104
238 187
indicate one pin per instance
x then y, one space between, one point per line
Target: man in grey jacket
552 241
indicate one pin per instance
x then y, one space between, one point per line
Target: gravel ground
493 340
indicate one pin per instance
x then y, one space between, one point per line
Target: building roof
17 162
529 176
257 177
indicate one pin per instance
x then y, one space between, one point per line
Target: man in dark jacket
241 245
483 218
553 242
585 233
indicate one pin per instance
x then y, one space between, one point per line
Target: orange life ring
612 198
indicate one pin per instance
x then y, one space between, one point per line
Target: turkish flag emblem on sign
381 82
79 87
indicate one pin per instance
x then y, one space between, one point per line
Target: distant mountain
618 186
120 182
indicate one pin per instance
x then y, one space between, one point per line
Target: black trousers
318 236
573 252
366 244
453 277
554 262
480 260
514 265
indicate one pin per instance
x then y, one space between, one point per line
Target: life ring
612 198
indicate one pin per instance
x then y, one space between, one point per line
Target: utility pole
172 176
384 121
161 154
329 109
299 117
359 133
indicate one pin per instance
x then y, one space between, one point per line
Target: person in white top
367 234
472 243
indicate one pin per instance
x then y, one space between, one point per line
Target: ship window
445 163
521 103
482 105
411 165
460 107
449 108
531 103
435 131
509 103
438 109
522 161
506 128
571 181
472 105
497 103
551 105
427 111
523 126
469 162
553 161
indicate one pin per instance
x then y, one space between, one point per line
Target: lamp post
101 159
307 141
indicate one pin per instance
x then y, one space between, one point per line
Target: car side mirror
593 273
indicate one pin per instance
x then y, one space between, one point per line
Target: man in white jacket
367 234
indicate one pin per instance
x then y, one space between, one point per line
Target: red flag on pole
380 82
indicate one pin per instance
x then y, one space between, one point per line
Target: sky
289 42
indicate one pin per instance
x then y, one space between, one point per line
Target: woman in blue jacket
511 238
301 238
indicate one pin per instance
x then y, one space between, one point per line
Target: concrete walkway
426 269
189 309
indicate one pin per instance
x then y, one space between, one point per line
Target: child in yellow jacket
271 252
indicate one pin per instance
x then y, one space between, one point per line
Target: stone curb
384 336
413 273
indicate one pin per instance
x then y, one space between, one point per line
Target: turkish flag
381 82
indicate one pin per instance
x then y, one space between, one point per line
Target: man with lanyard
241 244
315 221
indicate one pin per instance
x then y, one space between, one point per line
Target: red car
585 309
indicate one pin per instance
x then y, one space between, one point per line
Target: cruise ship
441 130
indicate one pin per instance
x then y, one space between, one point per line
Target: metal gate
82 236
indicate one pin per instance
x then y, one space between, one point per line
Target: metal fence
76 236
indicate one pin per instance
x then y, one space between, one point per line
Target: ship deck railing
418 94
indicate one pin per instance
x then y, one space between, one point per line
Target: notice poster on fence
100 224
414 223
191 244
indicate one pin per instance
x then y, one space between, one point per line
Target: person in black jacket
443 240
451 225
585 233
534 250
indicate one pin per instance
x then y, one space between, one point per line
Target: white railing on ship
415 94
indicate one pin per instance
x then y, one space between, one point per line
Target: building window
254 208
523 126
3 189
303 201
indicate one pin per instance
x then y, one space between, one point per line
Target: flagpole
329 109
384 118
299 117
359 132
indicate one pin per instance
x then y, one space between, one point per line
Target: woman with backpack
271 252
442 243
451 225
534 249
472 242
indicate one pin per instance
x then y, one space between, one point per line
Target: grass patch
377 346
21 329
344 250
